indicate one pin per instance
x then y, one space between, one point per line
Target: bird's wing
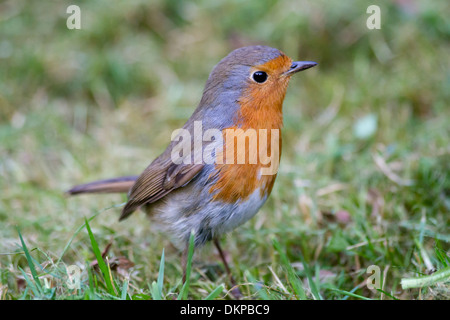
159 179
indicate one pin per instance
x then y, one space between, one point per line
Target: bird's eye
260 76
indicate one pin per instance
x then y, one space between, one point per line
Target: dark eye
260 76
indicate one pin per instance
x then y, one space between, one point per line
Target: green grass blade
30 284
351 294
440 254
215 293
81 228
185 289
30 263
442 275
113 281
155 292
312 284
124 290
387 294
91 282
294 280
101 263
161 274
156 287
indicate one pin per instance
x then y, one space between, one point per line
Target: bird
209 196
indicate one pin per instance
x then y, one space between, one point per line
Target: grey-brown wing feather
157 181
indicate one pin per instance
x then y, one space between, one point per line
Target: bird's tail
115 185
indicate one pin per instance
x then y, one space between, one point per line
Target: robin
190 193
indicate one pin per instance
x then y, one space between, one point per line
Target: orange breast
238 181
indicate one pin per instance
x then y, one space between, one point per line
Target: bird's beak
299 66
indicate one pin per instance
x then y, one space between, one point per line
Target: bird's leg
236 292
222 256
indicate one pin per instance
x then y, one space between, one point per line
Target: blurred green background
364 172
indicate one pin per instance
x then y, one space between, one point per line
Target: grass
363 177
